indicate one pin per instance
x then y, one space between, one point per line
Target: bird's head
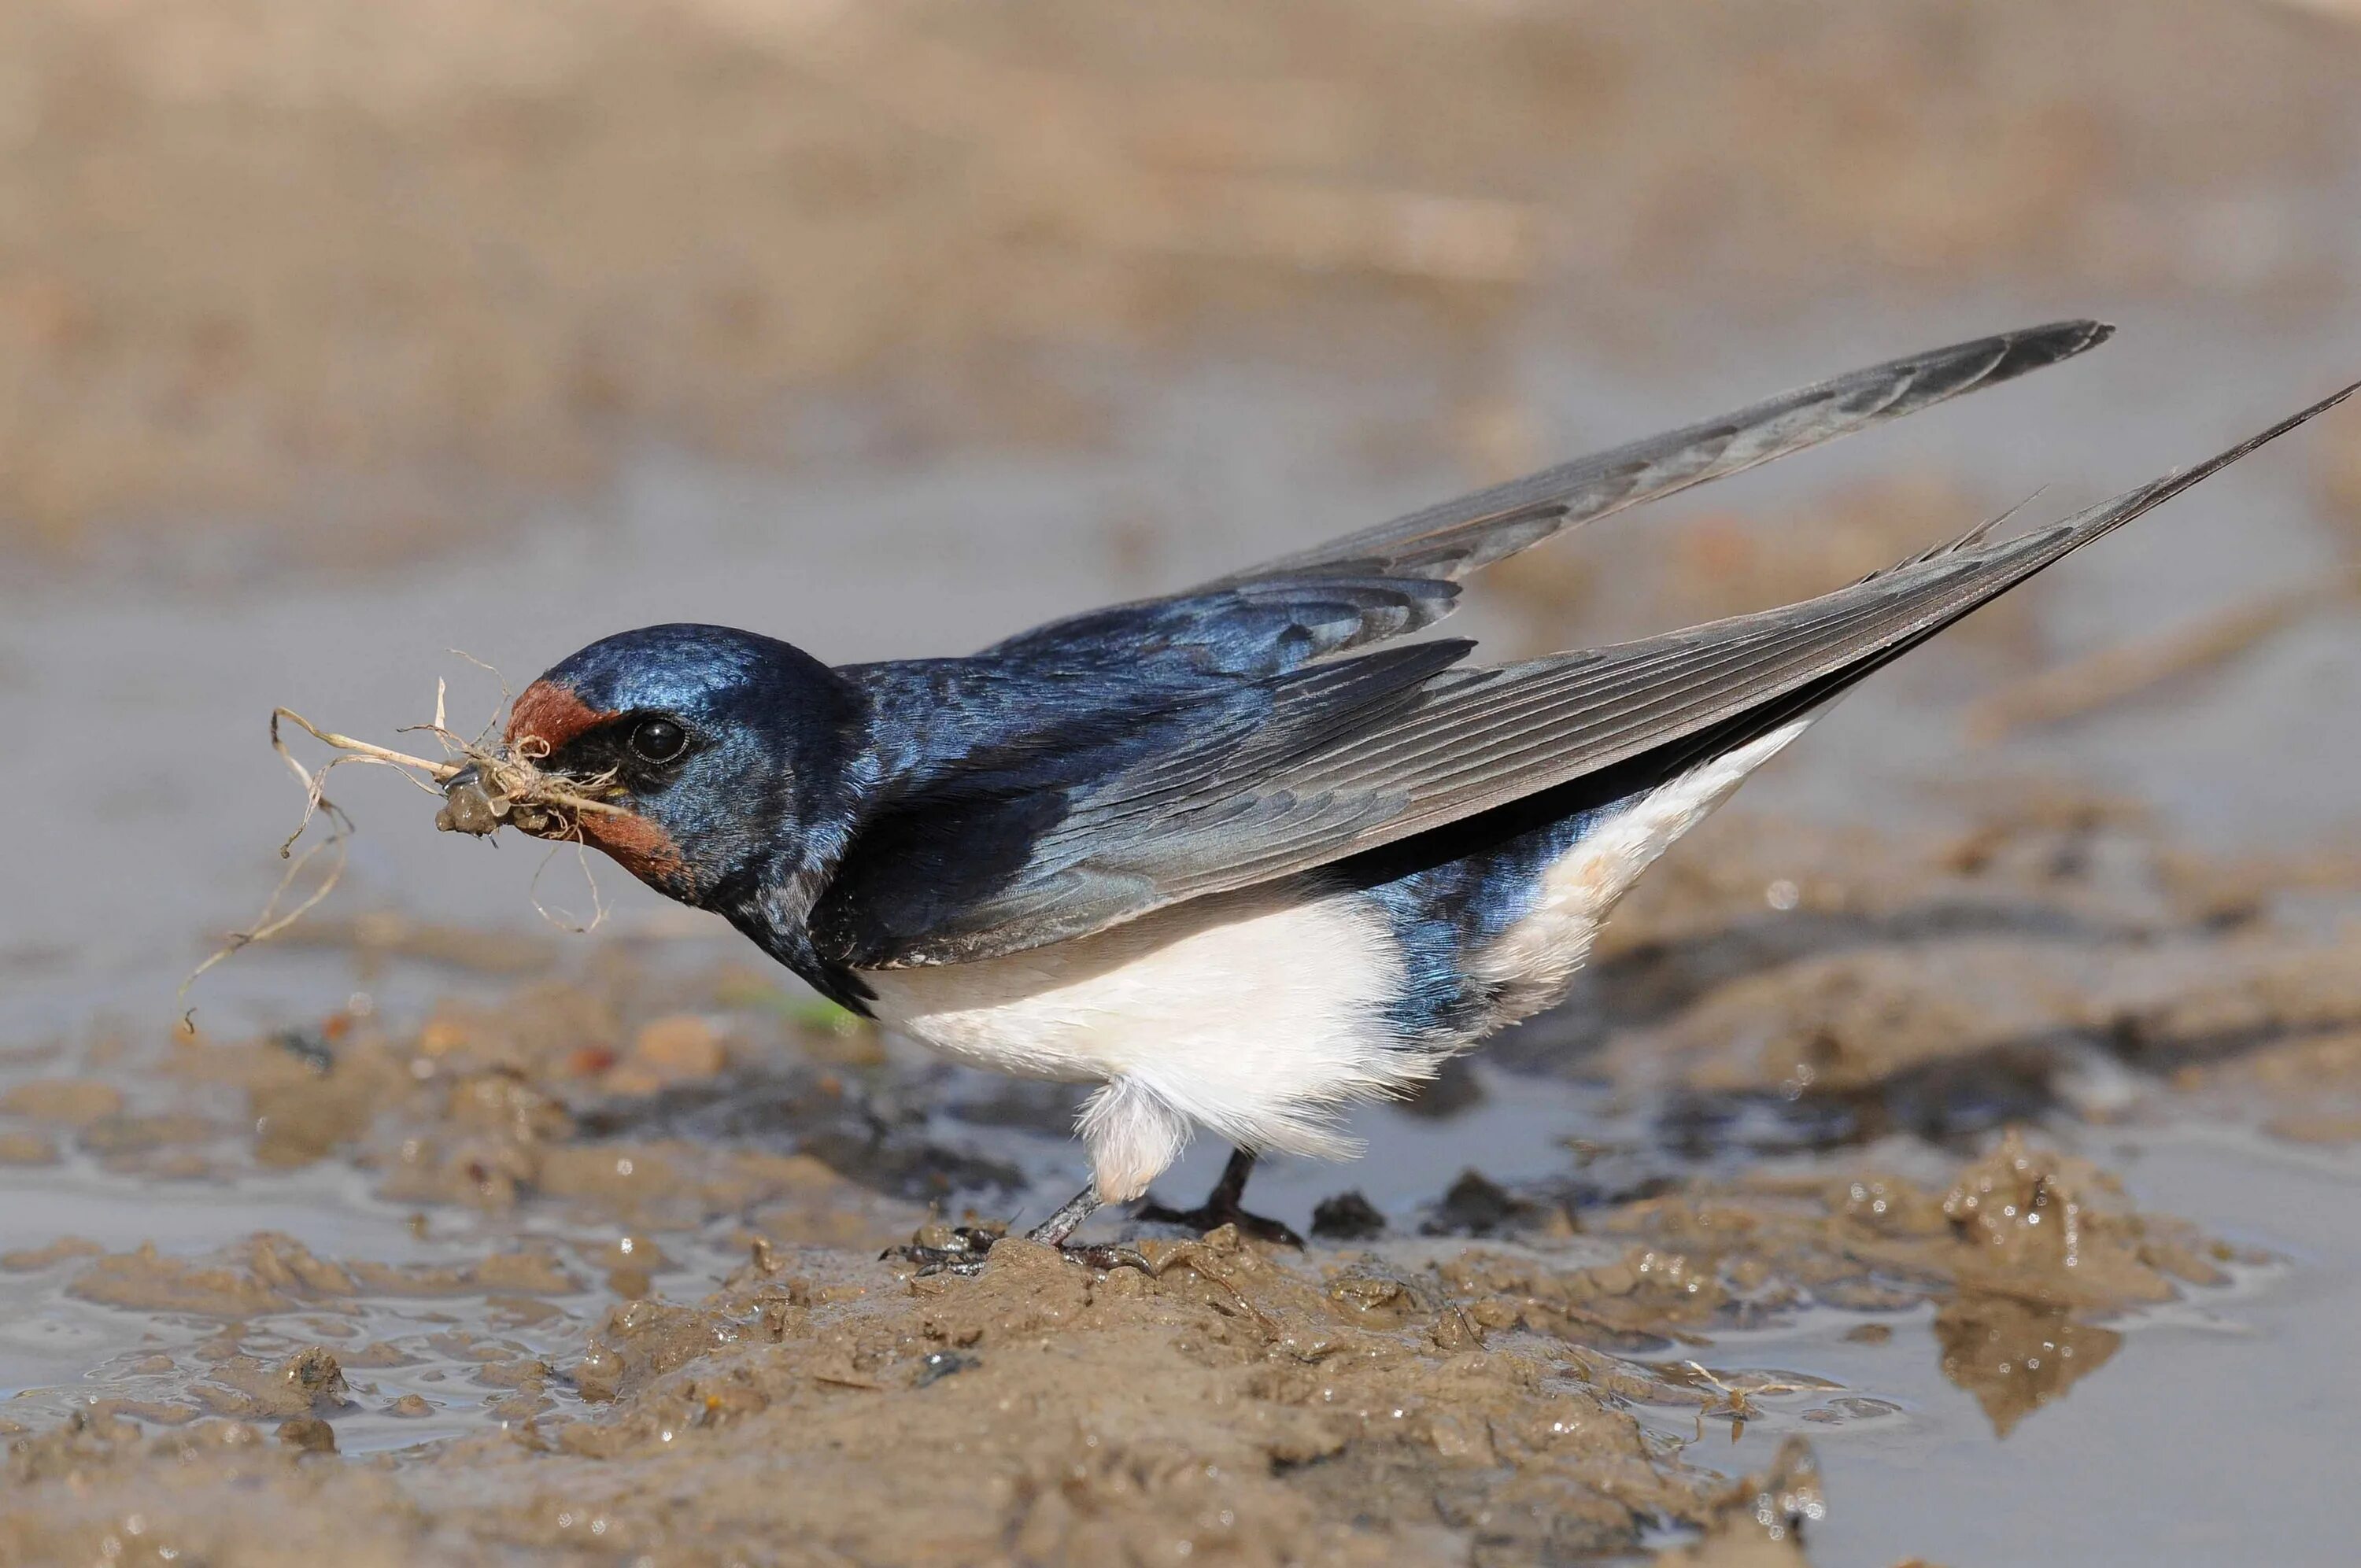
725 751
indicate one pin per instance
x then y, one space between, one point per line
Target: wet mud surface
589 1268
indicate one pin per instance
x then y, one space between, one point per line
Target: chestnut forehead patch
552 715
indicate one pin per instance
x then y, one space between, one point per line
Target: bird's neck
772 903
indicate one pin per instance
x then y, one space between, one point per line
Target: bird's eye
658 739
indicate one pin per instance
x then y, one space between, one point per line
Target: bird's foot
948 1249
1104 1255
1216 1212
962 1249
969 1247
1224 1205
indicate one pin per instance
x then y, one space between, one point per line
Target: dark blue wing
1399 577
1261 627
1262 780
992 767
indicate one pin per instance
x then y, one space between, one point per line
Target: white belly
1254 1013
1260 1013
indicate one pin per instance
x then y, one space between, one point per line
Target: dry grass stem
501 787
566 920
506 788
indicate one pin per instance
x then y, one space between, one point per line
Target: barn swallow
1218 853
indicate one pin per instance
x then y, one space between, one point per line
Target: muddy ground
1952 1152
639 1314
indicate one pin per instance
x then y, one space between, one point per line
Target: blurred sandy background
384 275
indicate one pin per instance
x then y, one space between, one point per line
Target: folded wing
1204 816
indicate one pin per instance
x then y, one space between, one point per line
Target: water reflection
2016 1357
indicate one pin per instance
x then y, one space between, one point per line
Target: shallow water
2214 1424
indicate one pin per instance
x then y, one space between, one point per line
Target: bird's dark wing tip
2180 479
2037 347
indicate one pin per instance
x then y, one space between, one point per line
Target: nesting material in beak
468 805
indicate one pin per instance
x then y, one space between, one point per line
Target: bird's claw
1106 1255
964 1249
1213 1214
960 1249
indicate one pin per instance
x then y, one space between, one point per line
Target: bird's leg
1053 1230
1224 1205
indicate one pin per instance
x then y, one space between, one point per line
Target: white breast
1254 1013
